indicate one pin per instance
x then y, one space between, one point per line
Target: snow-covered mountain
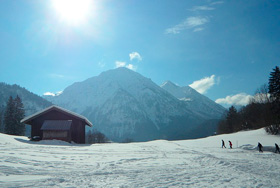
123 104
195 101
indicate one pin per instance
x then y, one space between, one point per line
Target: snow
160 163
195 101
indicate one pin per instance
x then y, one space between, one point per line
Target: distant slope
195 101
123 104
32 103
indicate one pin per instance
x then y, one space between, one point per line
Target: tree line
263 110
11 116
94 137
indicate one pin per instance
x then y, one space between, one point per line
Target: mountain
195 101
123 104
32 103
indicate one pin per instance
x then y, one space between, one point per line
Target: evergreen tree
14 113
274 84
231 122
232 119
9 120
19 115
274 91
1 123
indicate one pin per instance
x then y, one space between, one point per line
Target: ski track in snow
152 164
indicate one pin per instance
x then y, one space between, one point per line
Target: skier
230 144
260 147
223 144
277 148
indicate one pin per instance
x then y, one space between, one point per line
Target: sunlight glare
73 12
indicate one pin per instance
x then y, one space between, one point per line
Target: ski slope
188 163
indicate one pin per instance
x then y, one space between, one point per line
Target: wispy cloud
101 64
123 64
203 84
197 8
132 67
217 2
238 99
135 55
198 29
132 56
120 64
189 23
54 75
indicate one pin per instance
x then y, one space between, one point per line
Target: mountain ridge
124 104
194 100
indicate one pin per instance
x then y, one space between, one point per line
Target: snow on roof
59 109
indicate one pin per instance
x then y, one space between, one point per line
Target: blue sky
224 49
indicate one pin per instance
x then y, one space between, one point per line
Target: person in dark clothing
230 144
277 148
223 144
260 147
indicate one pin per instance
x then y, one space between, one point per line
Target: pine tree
274 84
14 113
232 119
1 124
9 120
19 115
274 91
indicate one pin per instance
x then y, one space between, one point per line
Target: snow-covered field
189 163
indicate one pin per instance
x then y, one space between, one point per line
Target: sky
223 49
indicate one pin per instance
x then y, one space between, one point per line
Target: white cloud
53 94
135 55
203 84
130 66
189 23
195 21
198 29
59 93
49 94
120 64
195 8
238 99
123 64
217 2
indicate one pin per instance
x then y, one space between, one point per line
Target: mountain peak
168 84
124 104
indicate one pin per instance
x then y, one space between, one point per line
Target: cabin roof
56 125
62 110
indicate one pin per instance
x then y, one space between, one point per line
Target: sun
73 12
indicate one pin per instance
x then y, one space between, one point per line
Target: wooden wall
77 128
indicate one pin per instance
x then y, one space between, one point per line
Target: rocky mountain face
195 101
125 105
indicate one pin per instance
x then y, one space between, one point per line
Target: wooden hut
57 123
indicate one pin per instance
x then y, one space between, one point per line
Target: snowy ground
190 163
